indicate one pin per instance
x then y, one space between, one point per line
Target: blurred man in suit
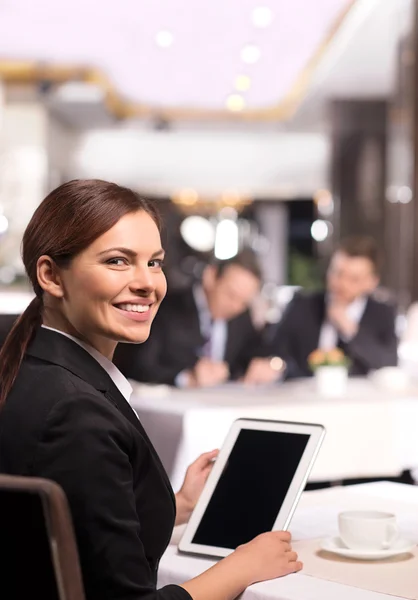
202 336
346 315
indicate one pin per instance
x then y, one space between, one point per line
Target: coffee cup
367 529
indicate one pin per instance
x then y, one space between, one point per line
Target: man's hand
208 373
337 316
264 370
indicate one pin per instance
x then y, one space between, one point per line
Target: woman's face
112 290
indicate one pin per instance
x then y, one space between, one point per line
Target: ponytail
15 346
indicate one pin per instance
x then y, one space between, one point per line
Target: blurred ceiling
175 57
172 130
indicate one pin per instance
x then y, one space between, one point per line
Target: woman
92 251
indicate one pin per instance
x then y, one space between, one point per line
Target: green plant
304 271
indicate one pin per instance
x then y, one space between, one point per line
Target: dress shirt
118 379
216 332
328 338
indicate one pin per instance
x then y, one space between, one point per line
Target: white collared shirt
328 338
111 369
217 330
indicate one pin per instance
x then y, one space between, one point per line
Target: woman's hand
196 476
269 555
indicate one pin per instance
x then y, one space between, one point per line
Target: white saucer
337 546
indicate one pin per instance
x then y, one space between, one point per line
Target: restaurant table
324 578
369 432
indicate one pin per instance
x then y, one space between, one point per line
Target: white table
316 517
369 432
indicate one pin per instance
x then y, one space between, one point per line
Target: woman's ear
49 276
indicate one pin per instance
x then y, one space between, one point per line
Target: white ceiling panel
198 69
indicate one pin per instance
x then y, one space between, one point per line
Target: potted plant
330 368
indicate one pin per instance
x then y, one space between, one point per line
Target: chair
37 543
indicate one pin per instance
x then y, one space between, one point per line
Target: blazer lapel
192 319
367 315
56 348
235 330
115 397
317 319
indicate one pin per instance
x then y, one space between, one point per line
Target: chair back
37 542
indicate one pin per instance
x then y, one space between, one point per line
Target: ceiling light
226 239
320 230
186 197
250 54
324 201
404 194
235 102
262 16
228 213
164 39
198 233
242 83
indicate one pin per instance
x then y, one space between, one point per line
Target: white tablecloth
369 432
315 517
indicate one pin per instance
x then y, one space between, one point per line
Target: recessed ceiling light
235 102
320 230
164 39
242 83
250 54
198 233
262 16
226 239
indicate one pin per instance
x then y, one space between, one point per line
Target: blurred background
281 125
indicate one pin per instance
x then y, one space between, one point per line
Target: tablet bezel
297 485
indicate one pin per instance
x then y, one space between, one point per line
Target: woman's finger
291 556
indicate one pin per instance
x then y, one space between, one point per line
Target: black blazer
66 420
297 335
176 340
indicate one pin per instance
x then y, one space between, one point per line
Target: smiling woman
75 256
92 251
107 293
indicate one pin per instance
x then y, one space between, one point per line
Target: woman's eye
118 261
156 263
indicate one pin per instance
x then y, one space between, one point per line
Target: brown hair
246 259
360 246
69 219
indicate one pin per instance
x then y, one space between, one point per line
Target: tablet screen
251 488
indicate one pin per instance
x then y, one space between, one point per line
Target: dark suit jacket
66 420
176 340
297 335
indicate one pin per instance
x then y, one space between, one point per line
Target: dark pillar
414 96
400 204
358 167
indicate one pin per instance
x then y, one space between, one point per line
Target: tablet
254 486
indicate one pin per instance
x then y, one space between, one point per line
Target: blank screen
252 487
